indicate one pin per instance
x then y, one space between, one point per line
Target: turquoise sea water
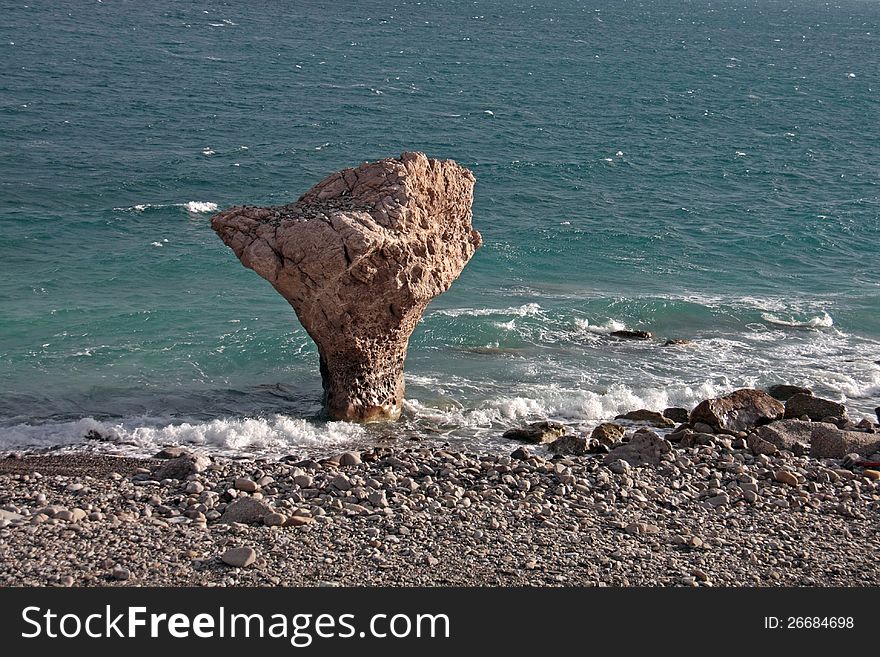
704 170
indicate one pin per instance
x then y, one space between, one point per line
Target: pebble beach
705 509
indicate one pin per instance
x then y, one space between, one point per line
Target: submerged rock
784 392
627 334
359 257
815 407
741 410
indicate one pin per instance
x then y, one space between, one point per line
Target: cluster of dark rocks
782 418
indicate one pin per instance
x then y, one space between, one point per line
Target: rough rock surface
537 432
568 444
654 418
608 433
784 392
785 434
239 557
246 510
645 448
760 446
632 335
741 410
830 442
359 257
814 407
181 467
676 414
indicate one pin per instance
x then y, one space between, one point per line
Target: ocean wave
525 310
200 206
277 435
195 207
565 404
606 328
821 321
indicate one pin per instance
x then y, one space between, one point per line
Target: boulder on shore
783 392
676 414
245 510
827 441
570 445
536 433
654 418
645 448
741 410
359 257
815 408
608 433
785 434
181 467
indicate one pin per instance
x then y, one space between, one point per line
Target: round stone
246 485
349 458
274 519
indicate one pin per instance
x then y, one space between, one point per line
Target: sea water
707 171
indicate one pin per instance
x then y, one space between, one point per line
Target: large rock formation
741 410
359 257
815 408
828 441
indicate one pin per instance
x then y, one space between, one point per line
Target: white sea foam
195 207
272 435
200 206
568 405
607 327
208 151
822 321
528 309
